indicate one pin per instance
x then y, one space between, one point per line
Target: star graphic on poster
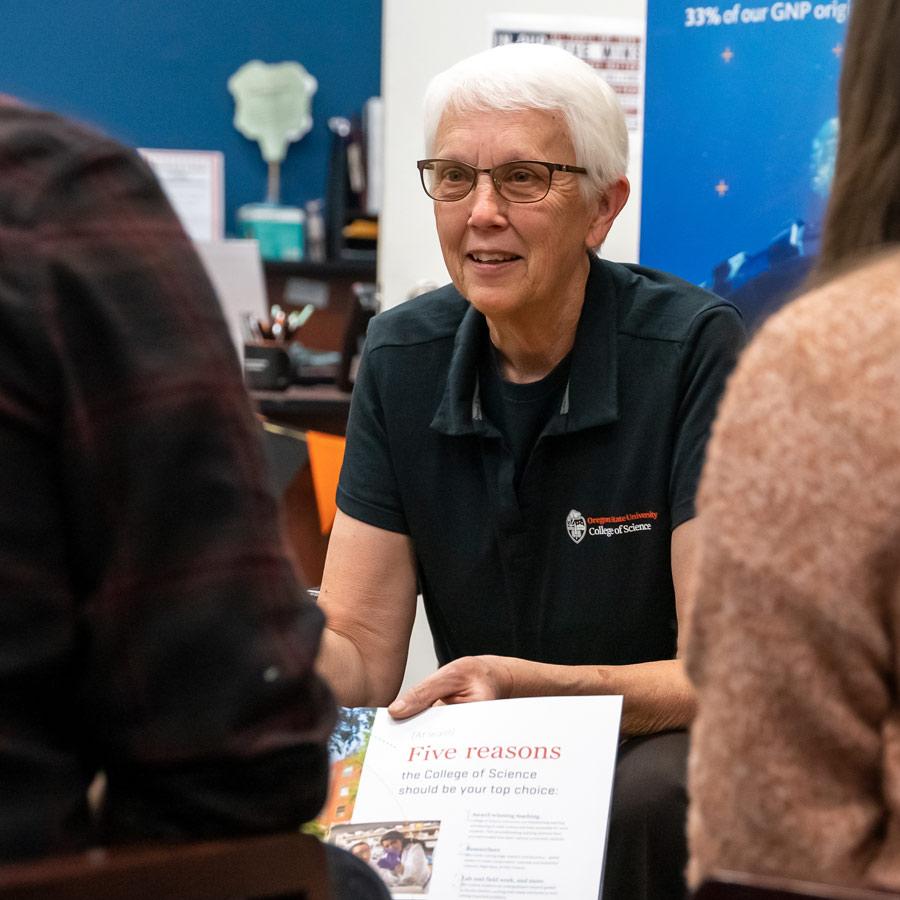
722 187
727 54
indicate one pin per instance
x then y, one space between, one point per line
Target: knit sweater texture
795 634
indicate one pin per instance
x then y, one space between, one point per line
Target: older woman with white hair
524 444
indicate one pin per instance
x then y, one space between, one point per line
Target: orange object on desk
326 455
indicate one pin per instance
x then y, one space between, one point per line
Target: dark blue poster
739 142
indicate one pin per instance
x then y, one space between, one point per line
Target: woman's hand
461 681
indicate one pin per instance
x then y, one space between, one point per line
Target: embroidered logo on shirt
608 526
576 526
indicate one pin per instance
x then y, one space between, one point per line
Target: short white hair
541 77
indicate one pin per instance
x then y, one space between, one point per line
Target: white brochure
498 800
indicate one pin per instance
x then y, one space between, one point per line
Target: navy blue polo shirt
573 567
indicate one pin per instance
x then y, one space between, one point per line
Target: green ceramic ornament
272 107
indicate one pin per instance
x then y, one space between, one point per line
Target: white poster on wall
194 182
614 47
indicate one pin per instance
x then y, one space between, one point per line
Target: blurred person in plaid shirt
151 627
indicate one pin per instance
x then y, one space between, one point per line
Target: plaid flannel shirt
150 625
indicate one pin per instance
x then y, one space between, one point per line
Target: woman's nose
487 206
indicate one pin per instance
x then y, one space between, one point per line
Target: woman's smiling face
507 257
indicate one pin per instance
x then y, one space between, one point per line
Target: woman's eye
521 176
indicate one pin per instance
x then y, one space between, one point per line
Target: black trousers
647 847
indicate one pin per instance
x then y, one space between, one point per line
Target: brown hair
864 208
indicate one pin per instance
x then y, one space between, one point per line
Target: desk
319 407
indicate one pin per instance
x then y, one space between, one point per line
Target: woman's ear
609 205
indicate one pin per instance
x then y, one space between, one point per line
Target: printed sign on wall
739 142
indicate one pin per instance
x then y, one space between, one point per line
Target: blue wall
153 73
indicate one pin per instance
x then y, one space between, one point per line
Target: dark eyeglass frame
423 164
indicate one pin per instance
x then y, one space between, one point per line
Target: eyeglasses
520 181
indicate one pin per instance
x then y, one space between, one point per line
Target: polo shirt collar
459 411
590 396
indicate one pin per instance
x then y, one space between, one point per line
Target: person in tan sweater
795 764
794 639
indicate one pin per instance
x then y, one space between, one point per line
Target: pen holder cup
267 366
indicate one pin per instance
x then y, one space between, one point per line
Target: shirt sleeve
709 354
415 865
368 488
164 620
